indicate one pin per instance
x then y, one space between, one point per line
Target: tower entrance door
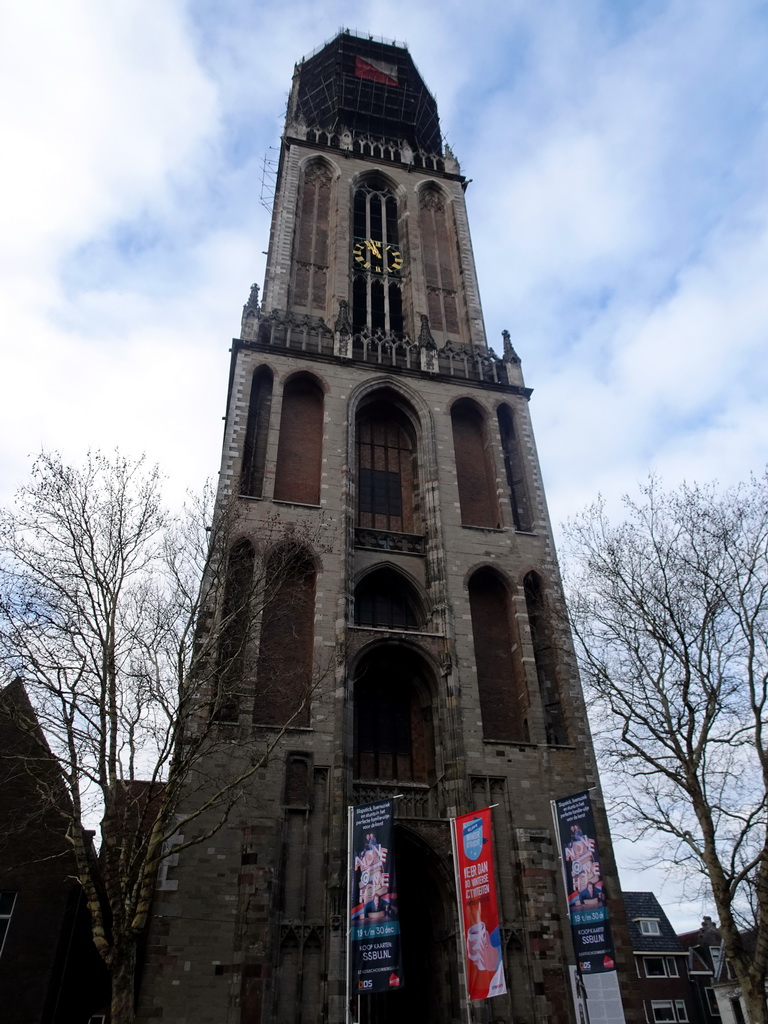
428 932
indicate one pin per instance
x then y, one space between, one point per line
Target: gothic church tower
365 406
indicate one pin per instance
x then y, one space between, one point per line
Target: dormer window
649 926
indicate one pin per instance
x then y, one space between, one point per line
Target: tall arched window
393 718
474 472
235 629
385 600
513 466
377 259
387 477
311 261
285 663
256 432
545 656
300 448
438 248
500 677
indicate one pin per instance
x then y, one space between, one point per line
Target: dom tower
420 649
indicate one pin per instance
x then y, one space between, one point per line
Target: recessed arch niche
474 468
500 676
394 708
387 461
386 599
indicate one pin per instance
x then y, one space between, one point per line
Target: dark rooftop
645 906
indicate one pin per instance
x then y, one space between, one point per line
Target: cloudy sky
619 207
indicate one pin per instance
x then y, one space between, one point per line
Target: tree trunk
753 994
124 983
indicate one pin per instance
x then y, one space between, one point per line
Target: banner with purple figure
374 925
591 928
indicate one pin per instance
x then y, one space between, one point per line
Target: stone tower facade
421 649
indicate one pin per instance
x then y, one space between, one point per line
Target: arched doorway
428 924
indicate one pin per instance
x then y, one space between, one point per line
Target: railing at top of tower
311 336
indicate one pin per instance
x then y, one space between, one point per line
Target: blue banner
374 919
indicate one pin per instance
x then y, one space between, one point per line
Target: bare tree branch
135 633
670 614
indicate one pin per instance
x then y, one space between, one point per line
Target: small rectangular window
672 967
714 1009
681 1010
663 1011
715 953
650 927
7 901
654 967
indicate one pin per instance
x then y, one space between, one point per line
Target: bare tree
133 630
670 613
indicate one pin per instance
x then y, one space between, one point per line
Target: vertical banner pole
459 911
348 911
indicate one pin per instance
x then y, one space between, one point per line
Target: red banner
376 70
479 910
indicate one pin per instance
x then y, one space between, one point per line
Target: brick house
661 962
50 972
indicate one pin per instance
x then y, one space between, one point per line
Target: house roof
644 906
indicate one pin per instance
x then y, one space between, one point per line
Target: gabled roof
644 905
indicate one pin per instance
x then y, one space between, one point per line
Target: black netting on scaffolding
333 93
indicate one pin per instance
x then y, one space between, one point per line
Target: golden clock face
378 257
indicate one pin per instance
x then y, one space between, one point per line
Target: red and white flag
376 70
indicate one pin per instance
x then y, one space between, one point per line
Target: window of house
654 967
714 1009
7 900
672 967
681 1010
737 1010
650 926
663 1011
715 953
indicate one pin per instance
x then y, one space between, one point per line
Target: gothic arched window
500 678
544 656
300 448
311 260
387 478
285 664
474 470
256 431
385 600
438 250
513 466
377 302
